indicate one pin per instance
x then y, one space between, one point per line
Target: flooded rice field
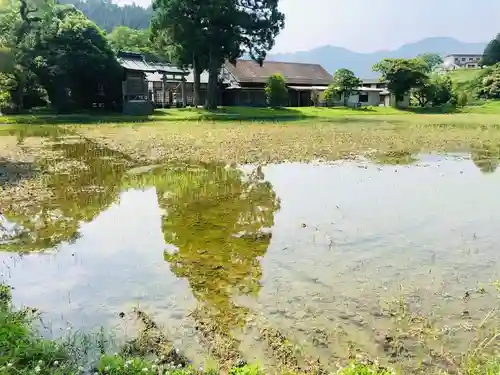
393 258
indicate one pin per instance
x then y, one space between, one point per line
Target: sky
373 25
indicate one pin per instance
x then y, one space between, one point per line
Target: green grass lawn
241 114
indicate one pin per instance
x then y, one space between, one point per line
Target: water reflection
486 157
81 182
216 218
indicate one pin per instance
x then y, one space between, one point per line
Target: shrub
276 91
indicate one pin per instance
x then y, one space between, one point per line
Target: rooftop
135 62
248 71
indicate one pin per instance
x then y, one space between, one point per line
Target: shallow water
318 251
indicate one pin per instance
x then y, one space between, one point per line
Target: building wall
371 98
463 61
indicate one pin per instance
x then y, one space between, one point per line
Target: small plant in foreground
364 369
118 365
246 370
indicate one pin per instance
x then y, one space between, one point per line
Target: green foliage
108 15
363 369
123 38
431 60
246 370
332 95
344 83
488 83
435 91
402 75
491 54
276 91
74 62
22 350
462 99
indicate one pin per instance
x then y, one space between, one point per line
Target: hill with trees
108 15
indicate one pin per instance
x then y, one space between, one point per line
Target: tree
431 60
331 95
437 90
73 61
491 54
175 28
109 16
489 84
123 38
344 83
402 75
214 31
276 91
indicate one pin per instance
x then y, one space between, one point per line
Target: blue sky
371 25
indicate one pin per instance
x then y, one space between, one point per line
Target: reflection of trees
214 216
82 181
486 157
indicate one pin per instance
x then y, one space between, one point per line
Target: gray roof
136 62
248 71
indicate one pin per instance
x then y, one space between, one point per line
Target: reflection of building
458 61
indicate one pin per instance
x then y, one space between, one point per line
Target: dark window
363 98
380 85
463 58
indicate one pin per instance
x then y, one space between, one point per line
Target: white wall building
374 93
462 61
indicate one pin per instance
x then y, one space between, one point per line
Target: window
363 98
381 85
463 58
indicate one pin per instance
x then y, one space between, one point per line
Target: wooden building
244 82
137 97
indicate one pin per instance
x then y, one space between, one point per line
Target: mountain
333 58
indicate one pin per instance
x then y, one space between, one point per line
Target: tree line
53 52
109 16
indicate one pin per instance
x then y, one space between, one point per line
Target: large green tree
436 90
491 55
402 75
213 31
344 83
176 29
73 61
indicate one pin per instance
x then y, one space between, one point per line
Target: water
320 252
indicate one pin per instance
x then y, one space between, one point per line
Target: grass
225 114
24 352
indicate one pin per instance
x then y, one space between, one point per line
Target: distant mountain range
333 58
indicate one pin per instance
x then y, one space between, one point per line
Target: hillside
333 58
108 15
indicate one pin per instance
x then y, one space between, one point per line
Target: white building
374 93
462 61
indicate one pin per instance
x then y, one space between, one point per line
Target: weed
365 369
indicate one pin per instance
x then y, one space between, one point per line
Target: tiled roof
248 71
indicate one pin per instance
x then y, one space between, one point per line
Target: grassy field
239 114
